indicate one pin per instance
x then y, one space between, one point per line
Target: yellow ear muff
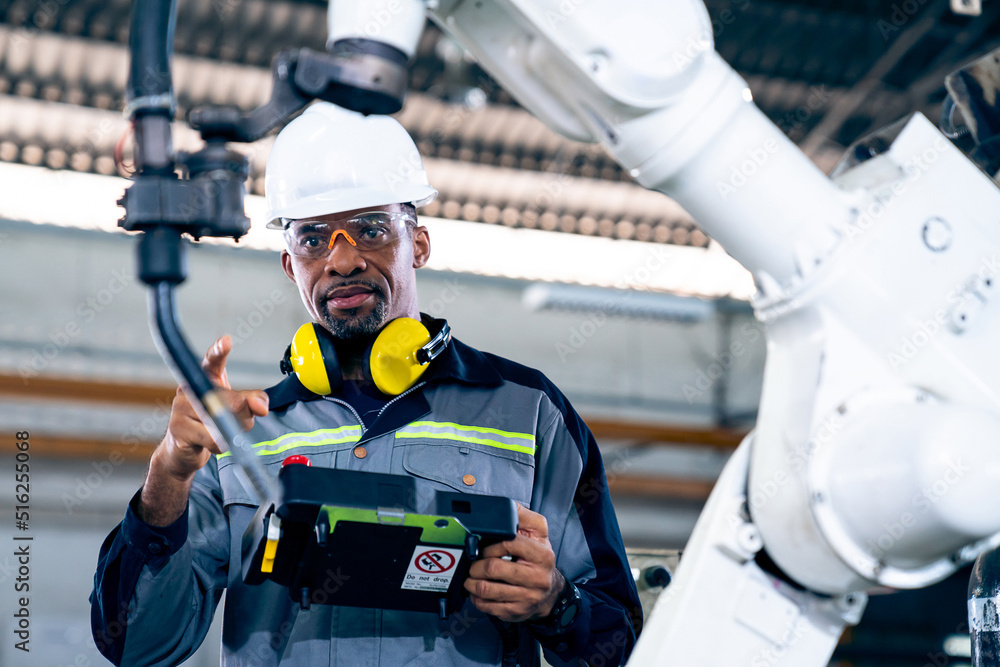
393 363
312 357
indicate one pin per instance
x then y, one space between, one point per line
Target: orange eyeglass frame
333 239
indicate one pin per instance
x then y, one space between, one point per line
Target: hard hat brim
350 200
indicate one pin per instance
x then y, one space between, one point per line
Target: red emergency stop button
296 458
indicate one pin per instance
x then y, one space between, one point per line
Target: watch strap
565 610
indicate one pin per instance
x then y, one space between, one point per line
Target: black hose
947 124
164 323
149 93
150 41
221 423
150 107
510 642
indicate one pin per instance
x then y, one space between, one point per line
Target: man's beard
351 327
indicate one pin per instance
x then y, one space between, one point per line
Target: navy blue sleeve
574 483
132 545
611 615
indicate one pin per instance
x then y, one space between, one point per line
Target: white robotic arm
644 80
874 461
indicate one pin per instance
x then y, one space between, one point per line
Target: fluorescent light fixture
618 303
959 646
88 201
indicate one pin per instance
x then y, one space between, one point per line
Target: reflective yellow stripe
473 434
478 429
292 440
462 438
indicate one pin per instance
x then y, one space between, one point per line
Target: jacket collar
288 391
458 363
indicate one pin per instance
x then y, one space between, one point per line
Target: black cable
510 642
221 423
149 94
159 209
947 124
164 323
150 41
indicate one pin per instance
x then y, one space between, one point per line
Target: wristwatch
565 610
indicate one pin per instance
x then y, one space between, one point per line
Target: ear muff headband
312 357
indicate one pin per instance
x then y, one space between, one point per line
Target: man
344 188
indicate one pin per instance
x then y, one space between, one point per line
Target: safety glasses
372 230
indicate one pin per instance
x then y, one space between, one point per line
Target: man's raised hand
187 445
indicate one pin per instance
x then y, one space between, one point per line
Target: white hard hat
330 160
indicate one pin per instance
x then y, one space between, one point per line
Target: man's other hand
525 587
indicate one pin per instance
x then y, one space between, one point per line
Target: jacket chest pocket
321 455
458 466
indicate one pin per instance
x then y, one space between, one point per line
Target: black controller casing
363 564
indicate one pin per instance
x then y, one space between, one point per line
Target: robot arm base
719 590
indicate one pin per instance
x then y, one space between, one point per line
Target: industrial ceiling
824 72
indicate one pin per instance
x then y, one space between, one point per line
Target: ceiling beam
949 59
845 106
61 447
72 449
662 488
85 390
68 389
650 435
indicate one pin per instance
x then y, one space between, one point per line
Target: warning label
431 569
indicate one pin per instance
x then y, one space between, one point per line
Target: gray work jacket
476 424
